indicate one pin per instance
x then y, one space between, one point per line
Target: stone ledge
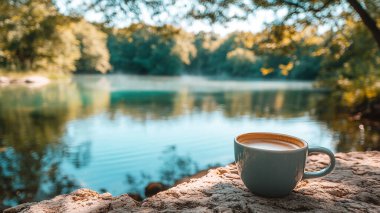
354 186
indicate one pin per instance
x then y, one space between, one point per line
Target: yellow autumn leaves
265 71
284 68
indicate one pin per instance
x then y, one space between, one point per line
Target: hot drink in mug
272 164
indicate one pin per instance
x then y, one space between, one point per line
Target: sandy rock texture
354 186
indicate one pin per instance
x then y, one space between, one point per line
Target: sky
253 23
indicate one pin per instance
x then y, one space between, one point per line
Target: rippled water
118 133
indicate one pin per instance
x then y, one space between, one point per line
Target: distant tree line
34 35
143 49
167 50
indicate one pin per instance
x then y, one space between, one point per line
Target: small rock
36 80
106 195
154 188
222 171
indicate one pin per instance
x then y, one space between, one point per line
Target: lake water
118 133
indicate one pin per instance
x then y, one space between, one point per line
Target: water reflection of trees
173 168
32 175
80 155
142 105
254 104
351 134
32 122
271 104
160 105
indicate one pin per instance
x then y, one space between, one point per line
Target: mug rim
306 145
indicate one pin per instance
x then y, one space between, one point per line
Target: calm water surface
118 133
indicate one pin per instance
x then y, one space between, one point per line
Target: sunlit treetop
332 13
34 36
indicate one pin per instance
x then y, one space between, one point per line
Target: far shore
30 80
38 79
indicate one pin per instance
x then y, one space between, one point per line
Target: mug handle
324 171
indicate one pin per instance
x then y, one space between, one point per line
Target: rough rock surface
354 186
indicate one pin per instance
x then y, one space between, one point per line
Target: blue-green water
118 133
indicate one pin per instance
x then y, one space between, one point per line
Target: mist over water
118 133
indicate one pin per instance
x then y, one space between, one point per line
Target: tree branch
367 19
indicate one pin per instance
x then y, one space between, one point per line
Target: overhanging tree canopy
332 12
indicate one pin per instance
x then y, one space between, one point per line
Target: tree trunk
367 20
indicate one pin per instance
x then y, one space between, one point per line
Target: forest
35 36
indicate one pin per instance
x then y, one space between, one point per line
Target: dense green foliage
166 50
34 36
301 13
351 65
143 49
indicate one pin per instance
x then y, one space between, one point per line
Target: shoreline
30 80
353 186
